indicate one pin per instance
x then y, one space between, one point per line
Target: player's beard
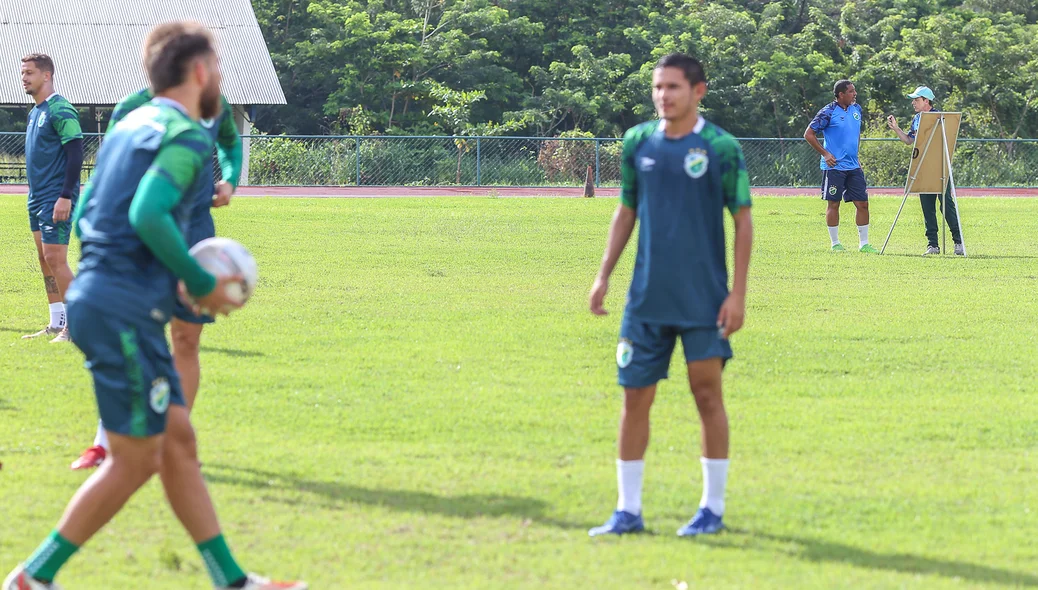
211 103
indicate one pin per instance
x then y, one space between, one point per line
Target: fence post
478 169
358 160
598 160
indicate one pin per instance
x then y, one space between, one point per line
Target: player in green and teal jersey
132 224
186 326
680 174
53 163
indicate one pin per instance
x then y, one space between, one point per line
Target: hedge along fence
564 160
555 161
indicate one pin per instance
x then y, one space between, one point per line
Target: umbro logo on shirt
646 164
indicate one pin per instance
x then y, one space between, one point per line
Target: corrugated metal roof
96 46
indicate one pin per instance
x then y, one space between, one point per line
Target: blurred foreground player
131 224
186 325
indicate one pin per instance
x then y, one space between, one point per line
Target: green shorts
41 219
134 378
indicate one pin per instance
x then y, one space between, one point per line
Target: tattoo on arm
52 284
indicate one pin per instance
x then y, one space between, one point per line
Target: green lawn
417 397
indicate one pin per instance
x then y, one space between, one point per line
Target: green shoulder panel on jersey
229 146
228 133
127 105
634 137
184 149
735 181
65 119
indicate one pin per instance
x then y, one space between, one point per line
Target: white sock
715 477
101 439
834 234
629 482
863 235
57 315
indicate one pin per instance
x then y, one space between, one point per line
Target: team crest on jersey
856 116
696 162
624 353
41 120
159 396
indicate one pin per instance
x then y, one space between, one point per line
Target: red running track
513 192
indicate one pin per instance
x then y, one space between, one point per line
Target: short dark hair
169 50
689 65
840 87
42 61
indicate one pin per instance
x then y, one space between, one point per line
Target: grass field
417 397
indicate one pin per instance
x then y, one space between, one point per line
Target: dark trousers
929 203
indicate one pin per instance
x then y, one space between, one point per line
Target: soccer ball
224 256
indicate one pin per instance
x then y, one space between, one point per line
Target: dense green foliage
541 67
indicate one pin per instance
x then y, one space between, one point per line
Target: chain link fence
386 160
538 161
12 156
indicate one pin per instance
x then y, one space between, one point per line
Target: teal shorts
134 378
41 219
201 228
643 354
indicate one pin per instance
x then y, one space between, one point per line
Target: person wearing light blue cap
922 101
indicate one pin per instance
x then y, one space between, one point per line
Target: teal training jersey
220 130
52 124
117 270
680 189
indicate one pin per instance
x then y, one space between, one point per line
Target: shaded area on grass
819 551
18 330
463 506
232 351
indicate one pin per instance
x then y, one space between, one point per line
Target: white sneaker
19 580
930 250
960 250
62 336
260 583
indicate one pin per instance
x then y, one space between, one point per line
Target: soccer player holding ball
133 255
680 174
186 325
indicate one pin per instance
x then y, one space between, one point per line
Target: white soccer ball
224 256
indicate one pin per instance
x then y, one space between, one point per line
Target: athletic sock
57 315
629 482
101 438
49 557
715 478
834 234
863 235
223 569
